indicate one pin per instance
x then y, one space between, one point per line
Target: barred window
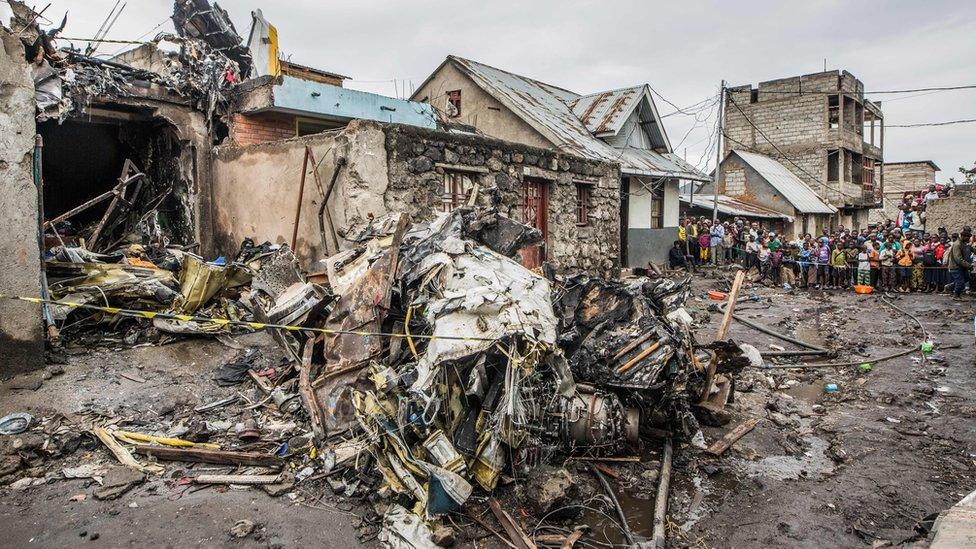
457 190
583 203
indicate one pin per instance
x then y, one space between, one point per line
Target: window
833 165
857 171
868 177
833 111
582 203
754 95
457 190
657 211
454 104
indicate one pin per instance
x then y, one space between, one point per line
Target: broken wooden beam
720 446
201 455
515 533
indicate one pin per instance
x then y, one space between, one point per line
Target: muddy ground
858 467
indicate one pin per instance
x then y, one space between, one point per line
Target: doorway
535 213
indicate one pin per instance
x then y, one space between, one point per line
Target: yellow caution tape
229 322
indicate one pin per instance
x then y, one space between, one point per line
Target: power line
926 124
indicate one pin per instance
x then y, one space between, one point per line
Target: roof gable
605 114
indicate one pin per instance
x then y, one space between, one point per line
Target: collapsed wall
395 168
21 328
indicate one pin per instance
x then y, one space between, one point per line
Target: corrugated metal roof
794 189
606 112
732 206
547 109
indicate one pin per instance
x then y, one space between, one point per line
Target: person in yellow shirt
904 260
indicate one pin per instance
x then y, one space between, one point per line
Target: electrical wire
929 124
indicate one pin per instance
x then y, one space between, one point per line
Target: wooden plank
720 446
236 479
200 455
723 328
518 537
262 382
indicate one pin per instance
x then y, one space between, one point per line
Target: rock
549 488
443 536
118 480
241 529
650 475
9 464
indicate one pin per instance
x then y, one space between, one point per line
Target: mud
855 468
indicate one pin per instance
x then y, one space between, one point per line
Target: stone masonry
953 213
418 159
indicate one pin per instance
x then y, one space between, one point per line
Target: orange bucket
717 296
864 289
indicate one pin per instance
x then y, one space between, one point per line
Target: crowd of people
888 257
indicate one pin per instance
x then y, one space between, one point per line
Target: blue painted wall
296 95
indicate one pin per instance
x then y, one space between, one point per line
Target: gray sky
682 49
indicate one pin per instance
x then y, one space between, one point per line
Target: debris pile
210 59
454 365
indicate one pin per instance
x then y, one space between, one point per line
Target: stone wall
418 159
21 325
395 168
953 213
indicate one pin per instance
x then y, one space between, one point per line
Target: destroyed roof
794 189
729 205
549 110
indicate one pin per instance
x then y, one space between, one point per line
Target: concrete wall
401 168
21 326
953 213
478 109
902 177
797 123
255 193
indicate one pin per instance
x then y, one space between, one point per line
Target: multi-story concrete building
819 127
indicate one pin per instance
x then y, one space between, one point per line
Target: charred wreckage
428 363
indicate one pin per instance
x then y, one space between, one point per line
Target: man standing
961 261
717 234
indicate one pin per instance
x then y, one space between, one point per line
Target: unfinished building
819 127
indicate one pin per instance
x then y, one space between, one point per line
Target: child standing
864 267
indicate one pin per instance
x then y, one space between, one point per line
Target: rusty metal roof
606 112
794 189
548 109
732 206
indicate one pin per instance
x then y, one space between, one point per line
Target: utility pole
718 151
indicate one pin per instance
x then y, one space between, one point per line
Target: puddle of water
813 463
640 518
810 392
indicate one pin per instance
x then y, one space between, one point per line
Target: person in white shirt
931 195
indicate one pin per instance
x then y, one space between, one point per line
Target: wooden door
535 213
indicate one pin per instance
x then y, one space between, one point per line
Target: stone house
902 178
620 126
822 129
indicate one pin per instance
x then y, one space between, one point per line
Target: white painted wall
639 206
671 203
